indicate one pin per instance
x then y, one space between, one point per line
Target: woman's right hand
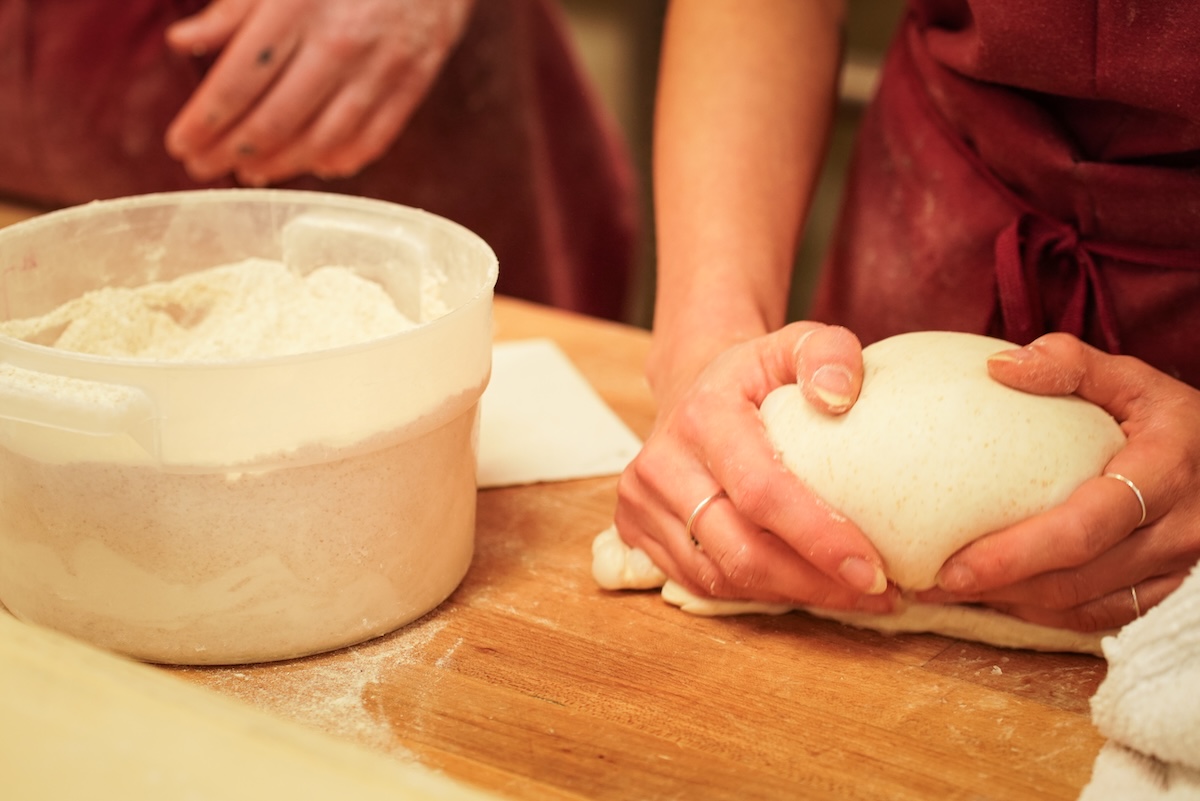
769 538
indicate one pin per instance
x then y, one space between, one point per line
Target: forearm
745 102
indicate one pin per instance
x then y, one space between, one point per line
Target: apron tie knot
1047 280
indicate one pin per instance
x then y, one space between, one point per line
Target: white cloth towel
1148 705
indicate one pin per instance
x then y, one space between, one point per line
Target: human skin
306 86
745 99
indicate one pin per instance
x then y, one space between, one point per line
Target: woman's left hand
306 86
1093 563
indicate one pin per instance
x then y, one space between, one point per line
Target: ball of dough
936 453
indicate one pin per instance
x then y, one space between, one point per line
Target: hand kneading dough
936 453
933 455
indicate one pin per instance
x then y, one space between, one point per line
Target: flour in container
256 308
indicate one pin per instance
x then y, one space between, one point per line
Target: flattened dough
616 566
934 455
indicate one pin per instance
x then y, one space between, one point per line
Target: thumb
829 368
1054 364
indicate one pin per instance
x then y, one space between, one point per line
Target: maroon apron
1030 167
510 141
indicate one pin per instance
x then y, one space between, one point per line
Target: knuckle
256 141
690 418
644 472
1064 591
751 494
346 42
1089 617
1060 345
1081 539
632 490
710 579
741 568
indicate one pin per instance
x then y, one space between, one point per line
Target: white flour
251 309
330 693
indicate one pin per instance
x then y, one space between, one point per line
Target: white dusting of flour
327 692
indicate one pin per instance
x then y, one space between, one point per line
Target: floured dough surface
934 455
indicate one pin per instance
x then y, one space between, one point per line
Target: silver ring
700 507
1141 501
1137 608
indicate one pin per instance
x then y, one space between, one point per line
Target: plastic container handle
78 405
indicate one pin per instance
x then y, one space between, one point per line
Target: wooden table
531 682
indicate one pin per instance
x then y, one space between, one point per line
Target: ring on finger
1137 607
700 507
1137 493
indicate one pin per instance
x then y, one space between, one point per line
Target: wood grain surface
533 683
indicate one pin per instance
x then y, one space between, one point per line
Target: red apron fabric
510 142
1030 167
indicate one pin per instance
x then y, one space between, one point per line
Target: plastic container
250 510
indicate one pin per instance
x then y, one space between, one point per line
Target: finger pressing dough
934 455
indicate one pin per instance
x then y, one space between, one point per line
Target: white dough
964 622
934 455
616 566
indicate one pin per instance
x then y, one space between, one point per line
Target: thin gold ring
1141 501
700 507
1137 607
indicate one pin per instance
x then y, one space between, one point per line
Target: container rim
332 200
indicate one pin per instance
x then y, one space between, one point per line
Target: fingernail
832 384
863 575
957 578
1014 356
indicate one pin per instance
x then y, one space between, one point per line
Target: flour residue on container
218 568
255 308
